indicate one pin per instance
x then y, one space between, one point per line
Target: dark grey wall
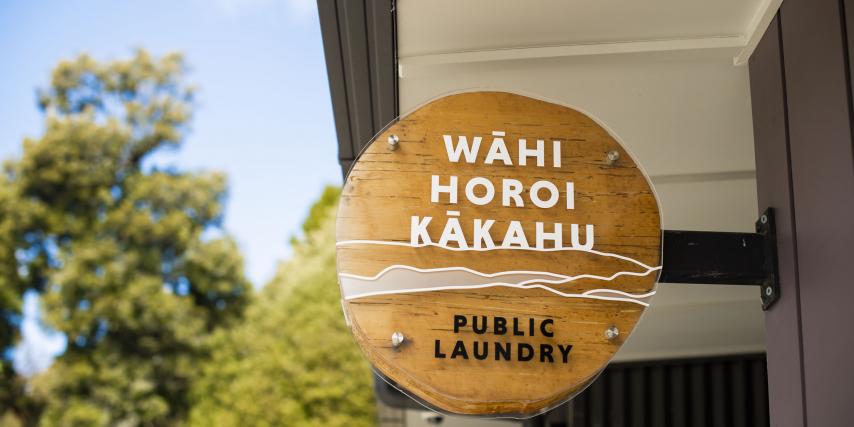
361 62
800 80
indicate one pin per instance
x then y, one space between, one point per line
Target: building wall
801 79
685 115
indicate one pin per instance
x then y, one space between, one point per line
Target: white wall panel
677 113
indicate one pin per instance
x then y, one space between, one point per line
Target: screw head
397 339
769 291
763 219
612 333
393 141
613 156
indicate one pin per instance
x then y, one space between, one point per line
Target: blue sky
264 113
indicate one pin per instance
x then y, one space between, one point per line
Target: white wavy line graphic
421 245
588 294
614 291
560 277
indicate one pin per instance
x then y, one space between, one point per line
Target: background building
730 106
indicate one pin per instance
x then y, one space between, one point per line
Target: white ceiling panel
444 26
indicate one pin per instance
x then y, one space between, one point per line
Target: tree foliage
116 249
293 362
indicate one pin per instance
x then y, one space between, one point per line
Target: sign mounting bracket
725 258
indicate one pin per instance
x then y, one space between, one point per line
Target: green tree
293 362
115 247
14 404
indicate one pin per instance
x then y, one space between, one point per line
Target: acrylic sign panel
509 244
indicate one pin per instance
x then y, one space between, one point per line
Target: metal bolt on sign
393 142
612 333
397 339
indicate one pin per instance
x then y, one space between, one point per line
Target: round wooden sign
494 252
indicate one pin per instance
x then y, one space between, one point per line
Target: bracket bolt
397 339
612 333
613 156
393 142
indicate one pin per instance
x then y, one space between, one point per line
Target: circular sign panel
494 252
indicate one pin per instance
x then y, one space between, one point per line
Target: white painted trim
466 269
637 46
756 29
746 42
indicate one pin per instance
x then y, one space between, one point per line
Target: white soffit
440 32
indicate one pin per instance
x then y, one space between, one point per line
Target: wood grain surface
386 187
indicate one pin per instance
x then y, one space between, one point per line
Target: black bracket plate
766 226
725 258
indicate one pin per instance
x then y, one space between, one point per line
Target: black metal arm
724 258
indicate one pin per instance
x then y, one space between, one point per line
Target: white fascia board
746 43
756 29
510 54
574 50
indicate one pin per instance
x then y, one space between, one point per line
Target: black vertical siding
678 394
361 64
725 391
738 388
658 402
